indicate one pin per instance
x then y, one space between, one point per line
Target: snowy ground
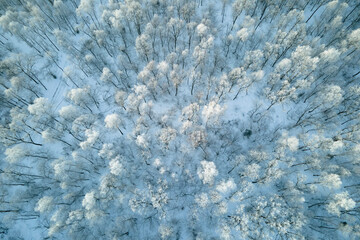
132 139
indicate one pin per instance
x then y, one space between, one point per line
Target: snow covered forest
179 119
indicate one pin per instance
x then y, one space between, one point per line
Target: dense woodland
179 119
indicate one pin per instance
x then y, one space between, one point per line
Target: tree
207 172
83 97
212 112
340 200
175 26
143 46
113 121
